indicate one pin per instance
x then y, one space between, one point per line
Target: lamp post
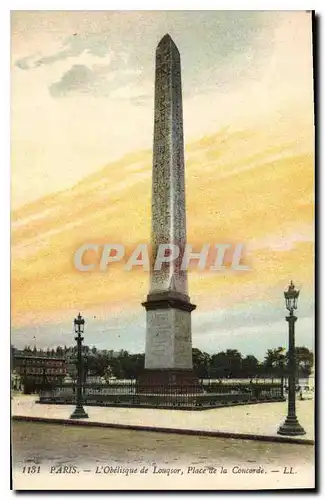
291 426
79 324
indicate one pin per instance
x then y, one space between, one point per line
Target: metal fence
199 396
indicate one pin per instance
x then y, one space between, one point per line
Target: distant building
39 371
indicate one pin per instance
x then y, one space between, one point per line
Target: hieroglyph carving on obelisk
168 339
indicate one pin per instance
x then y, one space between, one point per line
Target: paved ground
49 456
249 420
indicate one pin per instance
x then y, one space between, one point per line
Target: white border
165 5
5 163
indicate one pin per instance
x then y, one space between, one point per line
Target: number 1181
31 469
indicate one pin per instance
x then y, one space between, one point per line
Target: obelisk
168 352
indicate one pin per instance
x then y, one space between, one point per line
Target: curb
161 407
189 432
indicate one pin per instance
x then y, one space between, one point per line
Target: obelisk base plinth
168 379
168 362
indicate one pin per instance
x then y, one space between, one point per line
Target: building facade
37 372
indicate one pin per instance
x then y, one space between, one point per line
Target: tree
122 353
250 366
117 368
96 364
201 363
304 361
226 364
219 367
234 358
108 373
59 351
275 361
131 364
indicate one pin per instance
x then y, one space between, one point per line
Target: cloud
89 66
257 315
43 247
88 73
285 240
74 46
128 332
121 332
24 63
100 81
255 339
78 78
220 51
220 60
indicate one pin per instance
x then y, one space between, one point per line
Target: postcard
162 251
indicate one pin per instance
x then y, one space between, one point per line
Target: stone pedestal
168 341
168 359
168 380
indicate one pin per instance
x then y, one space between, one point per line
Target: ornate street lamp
291 426
79 325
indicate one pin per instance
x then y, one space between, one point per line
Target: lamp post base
291 427
79 412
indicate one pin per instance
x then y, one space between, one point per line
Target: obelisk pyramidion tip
167 40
